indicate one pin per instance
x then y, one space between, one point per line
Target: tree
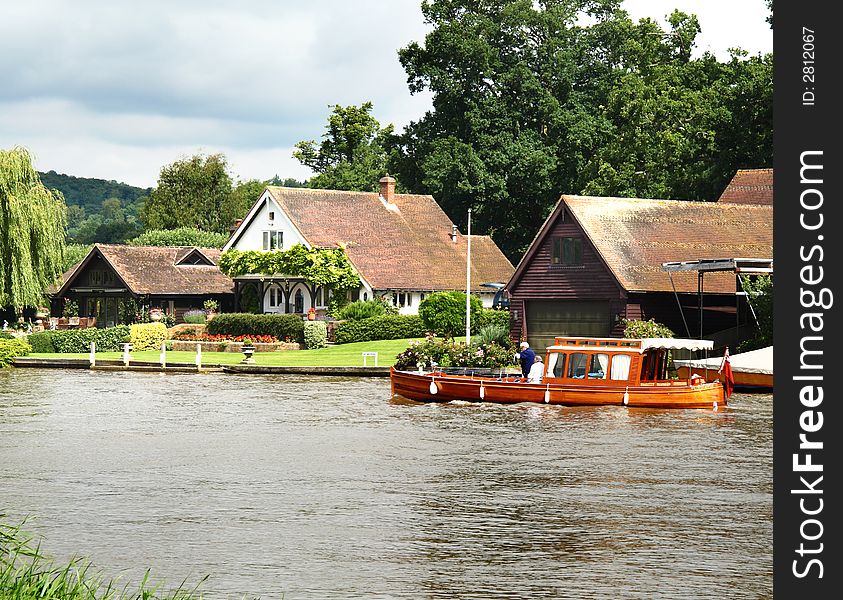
241 199
32 222
535 99
191 192
353 152
182 236
444 312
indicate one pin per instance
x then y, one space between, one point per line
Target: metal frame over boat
578 371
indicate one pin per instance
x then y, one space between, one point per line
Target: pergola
738 266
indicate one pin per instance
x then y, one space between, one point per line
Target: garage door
546 320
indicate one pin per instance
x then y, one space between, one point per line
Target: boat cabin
613 361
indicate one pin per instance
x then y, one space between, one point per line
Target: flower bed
205 337
229 346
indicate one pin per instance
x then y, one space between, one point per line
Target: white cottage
403 247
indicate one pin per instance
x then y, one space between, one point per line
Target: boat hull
742 379
440 387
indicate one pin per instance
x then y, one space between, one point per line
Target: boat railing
500 373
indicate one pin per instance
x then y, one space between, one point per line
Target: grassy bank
342 355
27 574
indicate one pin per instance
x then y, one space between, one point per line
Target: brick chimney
234 227
388 189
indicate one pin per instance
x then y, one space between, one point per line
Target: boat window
577 365
620 366
598 366
556 364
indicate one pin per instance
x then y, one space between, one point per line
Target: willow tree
32 223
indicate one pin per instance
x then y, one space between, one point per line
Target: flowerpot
156 315
248 351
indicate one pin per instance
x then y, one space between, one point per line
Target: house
175 279
402 246
749 186
598 261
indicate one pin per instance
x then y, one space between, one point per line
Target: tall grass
26 574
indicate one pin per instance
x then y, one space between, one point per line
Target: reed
25 573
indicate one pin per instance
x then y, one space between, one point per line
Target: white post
163 354
93 357
126 357
468 285
198 356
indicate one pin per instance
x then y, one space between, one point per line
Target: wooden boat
751 371
578 372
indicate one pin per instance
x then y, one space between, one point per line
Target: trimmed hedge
385 327
79 340
315 334
147 336
280 326
9 349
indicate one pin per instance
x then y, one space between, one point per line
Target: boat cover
676 344
756 361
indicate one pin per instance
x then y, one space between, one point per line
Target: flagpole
468 285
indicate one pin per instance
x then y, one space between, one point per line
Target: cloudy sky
117 89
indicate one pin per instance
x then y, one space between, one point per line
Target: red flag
728 378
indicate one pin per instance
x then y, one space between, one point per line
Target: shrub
283 327
489 316
147 336
79 340
6 335
493 333
71 308
9 349
444 312
315 334
385 327
211 305
195 317
646 329
448 353
42 342
362 309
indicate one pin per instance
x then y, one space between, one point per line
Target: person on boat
536 371
526 357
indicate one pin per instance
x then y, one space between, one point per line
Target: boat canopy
676 344
755 361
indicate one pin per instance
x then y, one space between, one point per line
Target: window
567 251
556 364
421 296
620 367
273 240
404 299
577 365
274 296
299 302
319 297
271 215
598 366
365 295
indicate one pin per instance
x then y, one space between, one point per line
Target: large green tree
353 152
535 99
191 192
32 222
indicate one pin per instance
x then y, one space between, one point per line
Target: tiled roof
635 236
750 186
402 246
153 270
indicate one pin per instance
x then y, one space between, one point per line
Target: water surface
308 487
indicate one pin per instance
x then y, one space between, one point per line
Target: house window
319 297
299 302
273 240
271 215
365 295
274 296
567 251
421 296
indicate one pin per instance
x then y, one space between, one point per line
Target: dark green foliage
493 333
444 312
74 254
646 329
449 353
9 349
362 309
280 326
315 334
759 292
67 341
181 236
42 342
385 327
89 193
6 335
536 99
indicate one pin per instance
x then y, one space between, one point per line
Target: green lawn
341 355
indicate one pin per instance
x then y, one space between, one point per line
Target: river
319 487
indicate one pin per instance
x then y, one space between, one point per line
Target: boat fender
482 391
547 394
626 396
434 388
715 406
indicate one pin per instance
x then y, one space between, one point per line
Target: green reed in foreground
26 574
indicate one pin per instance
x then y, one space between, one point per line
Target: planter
156 314
248 351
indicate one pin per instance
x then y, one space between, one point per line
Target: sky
116 90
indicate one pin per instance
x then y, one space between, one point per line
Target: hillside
89 193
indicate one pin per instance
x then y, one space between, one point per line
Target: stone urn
248 350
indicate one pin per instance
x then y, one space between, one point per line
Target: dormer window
273 240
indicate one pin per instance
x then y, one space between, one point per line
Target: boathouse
403 247
598 261
174 279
